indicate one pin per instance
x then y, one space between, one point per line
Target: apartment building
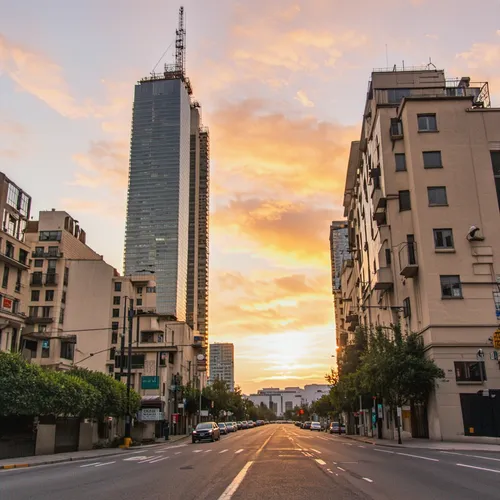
69 296
164 353
422 200
222 363
15 207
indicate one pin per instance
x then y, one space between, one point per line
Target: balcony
352 317
39 279
384 279
408 260
51 279
39 320
9 258
47 255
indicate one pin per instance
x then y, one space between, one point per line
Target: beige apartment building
15 207
69 296
422 200
166 354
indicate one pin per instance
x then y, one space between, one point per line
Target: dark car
307 425
334 428
230 427
206 430
223 428
244 424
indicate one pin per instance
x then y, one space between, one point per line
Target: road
267 463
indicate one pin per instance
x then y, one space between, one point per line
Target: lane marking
334 463
239 451
472 456
160 452
89 465
158 460
223 451
146 460
312 449
418 456
208 451
340 468
197 451
320 462
177 452
368 479
359 446
383 451
479 468
107 463
231 489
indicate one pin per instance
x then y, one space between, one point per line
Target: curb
79 459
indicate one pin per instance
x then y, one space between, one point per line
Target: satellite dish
200 357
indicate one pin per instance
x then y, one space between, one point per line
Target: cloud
12 127
104 164
270 152
433 37
9 153
303 99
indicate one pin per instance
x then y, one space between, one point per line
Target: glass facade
156 234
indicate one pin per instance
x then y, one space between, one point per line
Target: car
315 426
223 428
259 423
206 430
251 424
297 424
239 425
334 428
244 424
307 425
230 427
235 425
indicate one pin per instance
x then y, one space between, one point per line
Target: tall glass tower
157 227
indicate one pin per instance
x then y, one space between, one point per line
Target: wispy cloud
301 96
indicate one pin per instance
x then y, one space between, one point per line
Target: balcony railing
47 255
408 260
51 279
384 279
9 258
39 279
40 320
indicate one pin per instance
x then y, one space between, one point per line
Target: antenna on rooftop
180 44
431 65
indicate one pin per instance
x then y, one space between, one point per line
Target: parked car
307 425
315 426
259 423
206 430
244 424
239 425
235 425
297 424
223 428
251 424
334 428
230 427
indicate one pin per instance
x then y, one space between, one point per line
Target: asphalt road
268 463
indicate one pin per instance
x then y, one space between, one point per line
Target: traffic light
301 412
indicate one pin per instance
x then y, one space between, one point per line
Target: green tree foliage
218 392
323 407
27 389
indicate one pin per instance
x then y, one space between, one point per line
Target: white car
315 426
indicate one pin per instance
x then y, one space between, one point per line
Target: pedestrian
166 429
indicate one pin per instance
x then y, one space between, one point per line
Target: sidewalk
425 444
33 461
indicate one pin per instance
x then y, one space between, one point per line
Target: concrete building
422 200
164 354
222 363
197 277
282 400
15 207
69 296
339 252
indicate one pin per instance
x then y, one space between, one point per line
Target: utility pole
122 341
128 418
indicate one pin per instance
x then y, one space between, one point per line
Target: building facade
156 234
69 296
15 206
222 363
422 202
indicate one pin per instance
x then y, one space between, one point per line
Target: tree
218 392
323 407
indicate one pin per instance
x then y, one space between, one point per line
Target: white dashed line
223 451
158 460
208 451
90 465
239 451
107 463
479 468
418 456
320 462
359 446
178 452
231 489
316 451
340 468
472 456
368 479
197 451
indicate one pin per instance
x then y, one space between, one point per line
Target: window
400 162
35 295
451 288
137 361
432 159
49 295
51 266
495 161
427 123
61 317
116 313
437 196
139 302
388 257
396 128
46 310
147 337
39 251
66 275
114 338
53 251
404 201
114 326
33 312
406 308
118 286
9 249
50 235
112 353
63 297
12 195
67 350
394 96
38 263
45 347
23 256
116 300
151 289
36 278
139 290
5 279
443 238
470 371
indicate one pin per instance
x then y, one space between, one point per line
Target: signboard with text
150 415
150 382
496 339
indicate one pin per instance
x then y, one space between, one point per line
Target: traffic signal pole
128 418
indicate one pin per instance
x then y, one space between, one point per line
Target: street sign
204 413
496 339
150 415
175 418
150 382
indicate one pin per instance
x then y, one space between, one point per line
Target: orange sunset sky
282 86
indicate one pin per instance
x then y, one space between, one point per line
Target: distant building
339 250
221 364
282 400
15 207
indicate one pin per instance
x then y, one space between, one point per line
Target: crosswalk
159 456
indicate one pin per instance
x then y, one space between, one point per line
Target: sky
282 85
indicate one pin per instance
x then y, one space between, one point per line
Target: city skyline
282 106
